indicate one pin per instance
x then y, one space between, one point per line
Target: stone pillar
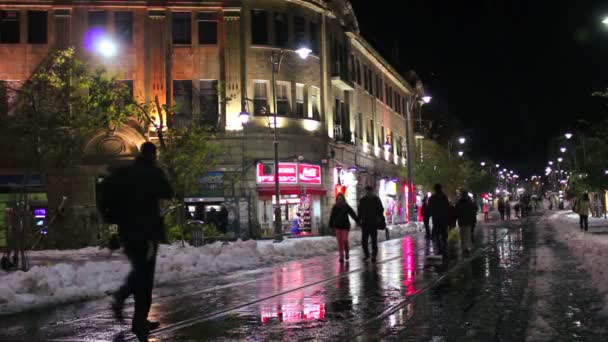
232 67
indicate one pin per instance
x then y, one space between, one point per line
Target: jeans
584 222
368 232
140 281
440 230
427 227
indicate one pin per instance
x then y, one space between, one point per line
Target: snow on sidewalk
88 273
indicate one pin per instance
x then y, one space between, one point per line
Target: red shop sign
309 174
287 173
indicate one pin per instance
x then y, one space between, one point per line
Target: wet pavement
404 296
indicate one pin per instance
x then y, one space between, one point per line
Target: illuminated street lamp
303 52
426 99
497 166
106 47
483 164
562 149
460 153
550 162
559 160
568 135
605 21
462 140
244 117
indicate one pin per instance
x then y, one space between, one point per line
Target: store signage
309 174
288 173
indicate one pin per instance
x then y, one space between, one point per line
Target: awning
291 190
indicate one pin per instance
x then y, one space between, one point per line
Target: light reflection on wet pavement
321 299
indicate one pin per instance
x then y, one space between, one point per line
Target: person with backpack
439 207
131 200
371 218
338 220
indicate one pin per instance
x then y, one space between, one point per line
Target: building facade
341 112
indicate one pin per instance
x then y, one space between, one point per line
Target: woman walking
339 221
582 208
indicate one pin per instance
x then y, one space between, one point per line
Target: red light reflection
409 266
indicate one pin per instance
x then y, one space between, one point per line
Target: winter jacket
142 185
426 213
465 212
370 211
452 216
338 218
582 207
439 206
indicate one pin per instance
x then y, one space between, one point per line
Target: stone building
341 112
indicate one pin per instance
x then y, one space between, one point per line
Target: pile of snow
86 274
590 249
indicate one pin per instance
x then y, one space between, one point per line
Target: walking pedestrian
439 209
517 207
508 210
426 217
501 208
582 208
465 213
338 220
486 212
371 218
136 191
476 210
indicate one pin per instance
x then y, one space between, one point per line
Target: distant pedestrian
338 220
582 209
465 213
222 220
508 210
517 208
486 212
136 191
296 225
371 216
439 210
426 217
501 208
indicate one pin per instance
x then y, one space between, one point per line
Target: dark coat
439 206
339 216
370 211
141 186
466 212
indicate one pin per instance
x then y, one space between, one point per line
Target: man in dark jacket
139 189
465 215
439 210
371 217
426 217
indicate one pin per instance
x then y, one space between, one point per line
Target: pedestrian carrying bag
381 223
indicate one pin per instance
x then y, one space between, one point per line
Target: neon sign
289 173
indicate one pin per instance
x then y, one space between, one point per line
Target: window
259 27
8 95
314 101
9 27
207 28
37 27
182 97
360 126
260 97
358 67
281 31
398 103
370 132
282 98
123 26
381 137
379 87
314 38
351 69
299 25
98 19
365 77
209 102
399 147
300 100
181 28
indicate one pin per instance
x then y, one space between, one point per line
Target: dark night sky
515 72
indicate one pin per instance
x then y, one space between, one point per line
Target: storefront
346 182
300 197
206 203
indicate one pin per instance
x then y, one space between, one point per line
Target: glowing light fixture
303 52
426 99
483 164
460 153
462 140
106 47
568 135
562 149
559 160
244 117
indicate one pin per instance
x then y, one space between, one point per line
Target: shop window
259 27
314 101
314 38
283 107
182 97
37 27
98 19
9 27
209 102
299 100
301 39
181 27
281 30
260 98
207 28
123 26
